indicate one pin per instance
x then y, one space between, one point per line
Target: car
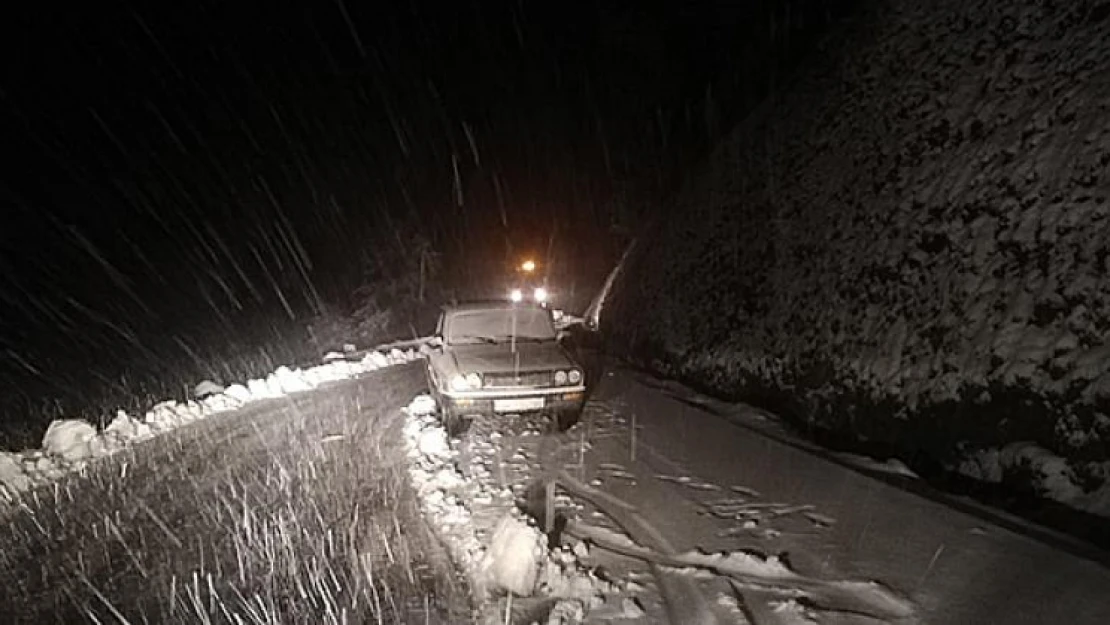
502 358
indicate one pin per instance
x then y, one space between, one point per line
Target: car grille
523 378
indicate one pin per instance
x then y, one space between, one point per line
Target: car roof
489 305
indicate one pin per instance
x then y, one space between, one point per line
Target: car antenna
512 340
512 332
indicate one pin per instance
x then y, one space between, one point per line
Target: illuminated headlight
575 376
467 382
560 377
540 294
516 295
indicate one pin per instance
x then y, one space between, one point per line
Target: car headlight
516 295
560 377
575 376
540 294
466 382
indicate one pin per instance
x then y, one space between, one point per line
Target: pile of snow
741 563
516 557
892 466
439 485
516 552
69 444
68 439
206 388
1051 475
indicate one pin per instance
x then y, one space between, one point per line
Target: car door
434 381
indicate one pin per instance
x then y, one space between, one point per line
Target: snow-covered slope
906 247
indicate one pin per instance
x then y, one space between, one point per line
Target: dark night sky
178 177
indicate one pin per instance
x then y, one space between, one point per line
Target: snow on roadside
892 466
437 481
509 555
1051 475
70 444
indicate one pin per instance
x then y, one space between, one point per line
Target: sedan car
502 358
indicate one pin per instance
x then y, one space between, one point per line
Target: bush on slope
907 246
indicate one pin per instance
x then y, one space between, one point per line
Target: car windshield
499 325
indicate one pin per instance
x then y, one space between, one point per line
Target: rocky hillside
907 249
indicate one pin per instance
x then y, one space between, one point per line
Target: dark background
187 187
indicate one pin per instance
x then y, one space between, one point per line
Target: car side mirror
436 342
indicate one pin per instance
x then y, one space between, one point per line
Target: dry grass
296 511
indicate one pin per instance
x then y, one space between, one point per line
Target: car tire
455 423
566 419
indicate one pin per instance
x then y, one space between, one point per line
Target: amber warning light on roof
528 266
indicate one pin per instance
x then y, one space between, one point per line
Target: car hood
500 358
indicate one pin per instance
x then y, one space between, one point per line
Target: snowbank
69 444
1050 475
438 484
515 557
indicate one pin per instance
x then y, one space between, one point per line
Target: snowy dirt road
696 519
707 484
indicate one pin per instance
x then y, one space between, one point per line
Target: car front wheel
567 417
455 423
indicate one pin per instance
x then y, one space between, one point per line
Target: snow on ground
851 542
892 466
487 491
70 444
1051 475
507 559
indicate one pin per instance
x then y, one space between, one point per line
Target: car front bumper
514 400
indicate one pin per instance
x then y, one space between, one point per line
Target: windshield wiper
481 339
528 339
503 338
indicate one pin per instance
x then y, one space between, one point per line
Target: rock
581 550
259 390
984 465
422 405
111 444
206 388
515 554
123 427
98 447
12 476
631 608
239 392
68 439
164 415
376 360
289 381
219 403
433 444
567 612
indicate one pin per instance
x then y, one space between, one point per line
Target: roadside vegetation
296 510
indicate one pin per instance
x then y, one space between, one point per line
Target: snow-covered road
739 524
708 483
